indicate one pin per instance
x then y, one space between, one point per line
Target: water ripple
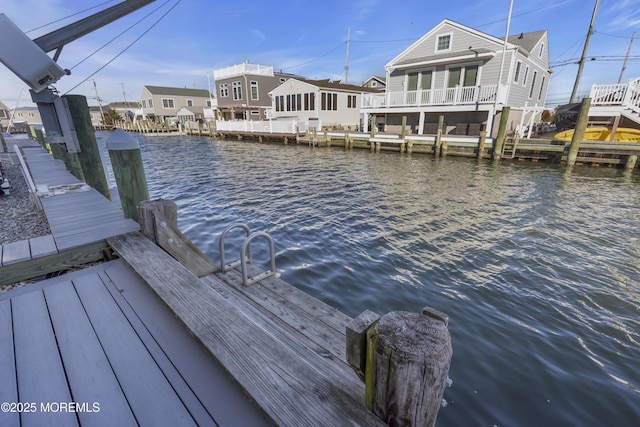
536 265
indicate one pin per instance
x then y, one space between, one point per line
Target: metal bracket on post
56 119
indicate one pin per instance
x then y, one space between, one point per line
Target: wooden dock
141 340
80 219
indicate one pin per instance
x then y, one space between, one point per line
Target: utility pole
624 64
95 88
346 67
584 52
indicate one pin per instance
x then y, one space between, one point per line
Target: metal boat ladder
245 255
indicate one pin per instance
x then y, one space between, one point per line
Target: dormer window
444 43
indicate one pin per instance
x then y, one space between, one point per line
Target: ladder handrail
225 267
246 281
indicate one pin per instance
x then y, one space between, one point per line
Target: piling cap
120 140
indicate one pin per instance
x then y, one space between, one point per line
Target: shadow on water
536 265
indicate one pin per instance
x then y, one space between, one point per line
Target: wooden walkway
101 339
80 219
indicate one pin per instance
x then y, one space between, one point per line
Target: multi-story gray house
376 82
164 103
465 75
243 90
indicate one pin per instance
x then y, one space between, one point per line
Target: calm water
537 266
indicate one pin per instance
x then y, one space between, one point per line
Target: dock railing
263 126
621 94
459 95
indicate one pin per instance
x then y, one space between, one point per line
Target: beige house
331 104
164 103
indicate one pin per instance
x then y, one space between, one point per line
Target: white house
465 75
333 104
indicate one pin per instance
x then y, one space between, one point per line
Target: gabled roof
381 79
524 41
338 85
527 41
177 91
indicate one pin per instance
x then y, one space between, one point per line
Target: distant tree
547 116
111 116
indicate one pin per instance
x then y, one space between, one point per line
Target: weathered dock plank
8 383
42 246
218 394
37 357
288 385
86 365
15 252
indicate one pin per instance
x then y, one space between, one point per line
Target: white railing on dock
620 94
264 126
459 95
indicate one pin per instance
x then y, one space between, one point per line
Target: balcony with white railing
626 95
240 69
459 95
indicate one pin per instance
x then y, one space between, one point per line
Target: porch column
421 123
365 122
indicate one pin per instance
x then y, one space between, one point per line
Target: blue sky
308 38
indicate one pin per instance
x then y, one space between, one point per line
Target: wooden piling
483 141
631 162
403 359
502 133
89 155
579 131
373 126
128 170
438 146
404 127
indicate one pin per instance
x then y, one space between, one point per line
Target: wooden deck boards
95 336
295 384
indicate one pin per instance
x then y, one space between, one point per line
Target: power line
319 57
120 34
127 47
70 16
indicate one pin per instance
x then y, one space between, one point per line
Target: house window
208 103
541 50
516 76
167 103
254 90
541 88
329 101
470 75
189 102
412 82
150 103
3 114
454 76
298 102
19 114
282 80
224 90
255 112
351 101
533 83
374 83
426 80
31 115
144 103
444 43
237 91
309 101
280 103
526 74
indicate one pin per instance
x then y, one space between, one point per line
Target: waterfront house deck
446 97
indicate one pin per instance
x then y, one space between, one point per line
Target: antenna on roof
346 67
